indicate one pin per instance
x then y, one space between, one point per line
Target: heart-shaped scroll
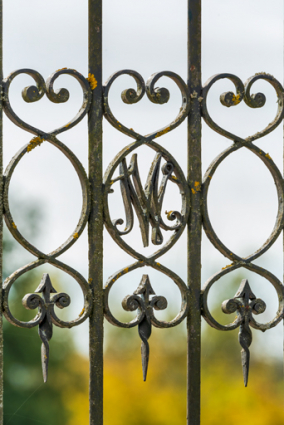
155 95
252 100
35 93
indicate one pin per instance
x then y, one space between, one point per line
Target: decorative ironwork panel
144 204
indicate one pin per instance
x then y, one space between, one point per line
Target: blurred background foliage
128 400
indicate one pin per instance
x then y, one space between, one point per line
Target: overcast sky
242 38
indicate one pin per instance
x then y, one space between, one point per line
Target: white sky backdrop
242 38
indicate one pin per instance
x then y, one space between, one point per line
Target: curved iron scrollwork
244 302
147 204
46 316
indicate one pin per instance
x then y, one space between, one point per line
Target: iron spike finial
45 305
145 300
246 304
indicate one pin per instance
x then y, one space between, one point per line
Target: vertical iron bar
95 229
194 226
1 209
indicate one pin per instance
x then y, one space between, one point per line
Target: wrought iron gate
146 203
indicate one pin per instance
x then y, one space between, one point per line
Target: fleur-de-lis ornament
45 305
246 304
145 300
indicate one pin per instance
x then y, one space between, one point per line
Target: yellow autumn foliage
161 400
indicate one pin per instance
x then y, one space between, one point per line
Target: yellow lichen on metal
126 270
67 125
168 214
14 226
226 267
268 156
158 264
75 236
193 191
93 82
62 69
160 133
82 312
197 186
236 99
36 141
90 280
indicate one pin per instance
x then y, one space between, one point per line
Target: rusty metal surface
95 228
194 175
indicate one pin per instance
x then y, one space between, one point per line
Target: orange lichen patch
268 156
126 270
67 125
75 236
174 177
62 69
197 186
226 267
82 312
36 141
90 280
158 264
236 99
14 226
193 191
93 82
210 177
169 213
160 133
